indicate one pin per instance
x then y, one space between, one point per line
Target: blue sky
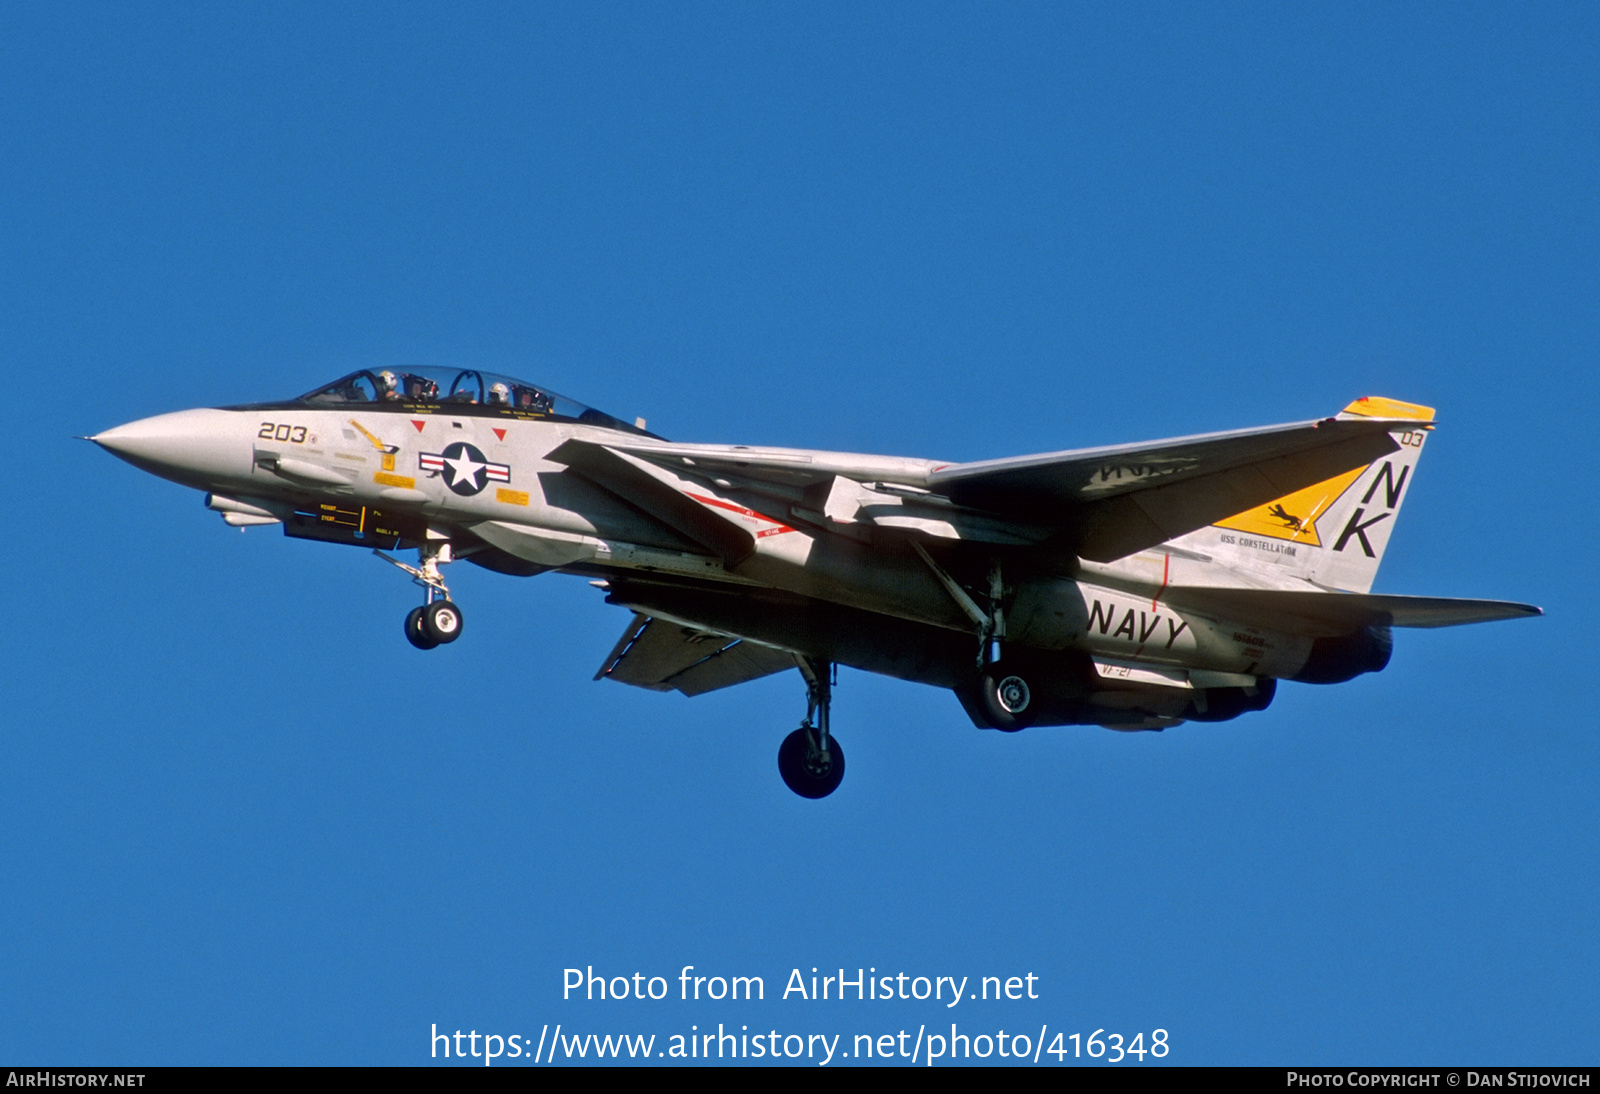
246 823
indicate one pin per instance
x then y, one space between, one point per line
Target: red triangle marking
418 424
498 432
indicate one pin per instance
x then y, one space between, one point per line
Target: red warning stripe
778 526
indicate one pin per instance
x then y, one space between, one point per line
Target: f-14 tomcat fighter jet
1133 587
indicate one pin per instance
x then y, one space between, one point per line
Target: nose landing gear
810 759
438 621
433 624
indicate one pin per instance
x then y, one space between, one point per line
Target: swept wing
1106 502
1119 500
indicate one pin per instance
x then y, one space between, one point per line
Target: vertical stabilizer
1332 533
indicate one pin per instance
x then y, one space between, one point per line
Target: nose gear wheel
414 632
441 621
438 621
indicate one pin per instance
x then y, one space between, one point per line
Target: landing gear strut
810 759
1003 694
438 620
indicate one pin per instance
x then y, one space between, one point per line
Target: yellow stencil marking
387 451
1274 518
404 482
511 497
379 445
1376 406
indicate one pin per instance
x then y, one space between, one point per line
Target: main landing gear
810 759
1006 700
438 621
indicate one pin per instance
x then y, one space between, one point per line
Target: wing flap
665 656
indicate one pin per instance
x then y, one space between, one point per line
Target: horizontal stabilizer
666 656
1317 614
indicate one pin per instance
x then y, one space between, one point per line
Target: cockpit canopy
415 387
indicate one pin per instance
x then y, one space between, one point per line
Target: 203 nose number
282 431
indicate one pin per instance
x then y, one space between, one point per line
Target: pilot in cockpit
421 388
388 386
532 399
499 395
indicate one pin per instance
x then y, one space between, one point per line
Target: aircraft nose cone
195 447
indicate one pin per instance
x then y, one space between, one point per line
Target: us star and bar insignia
465 469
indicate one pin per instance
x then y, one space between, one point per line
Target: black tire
802 767
414 632
1008 702
441 621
